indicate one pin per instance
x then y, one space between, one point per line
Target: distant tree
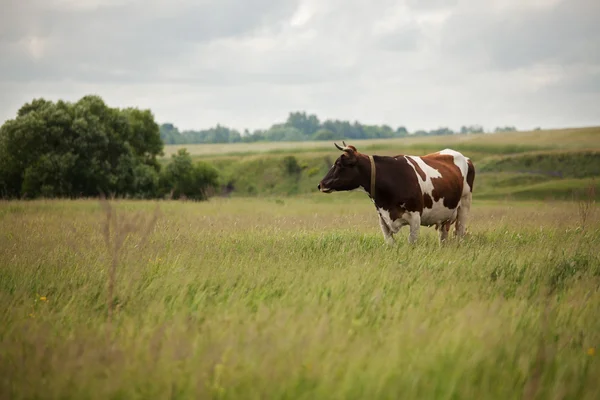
401 131
281 132
307 124
471 129
505 129
170 134
325 134
298 126
182 178
440 131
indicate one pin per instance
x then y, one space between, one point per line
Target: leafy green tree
507 129
78 149
307 124
169 134
325 134
471 129
279 133
182 178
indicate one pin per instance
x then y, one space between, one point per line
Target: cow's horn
339 148
344 143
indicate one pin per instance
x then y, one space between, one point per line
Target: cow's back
443 180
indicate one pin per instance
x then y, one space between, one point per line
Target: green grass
569 164
550 164
296 298
575 138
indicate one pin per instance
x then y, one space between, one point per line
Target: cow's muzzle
323 189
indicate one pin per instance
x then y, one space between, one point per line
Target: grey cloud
564 34
576 83
130 41
404 39
242 64
431 4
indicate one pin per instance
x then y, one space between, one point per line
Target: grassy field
535 165
295 298
545 139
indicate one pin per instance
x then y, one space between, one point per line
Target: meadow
545 139
275 291
295 298
541 164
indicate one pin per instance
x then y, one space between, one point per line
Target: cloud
246 63
122 40
523 35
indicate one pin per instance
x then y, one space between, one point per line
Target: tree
298 126
505 129
325 134
79 149
471 129
401 131
182 178
307 124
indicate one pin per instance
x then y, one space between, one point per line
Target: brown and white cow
431 190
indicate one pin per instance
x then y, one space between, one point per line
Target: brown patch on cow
417 168
391 196
427 201
450 185
470 175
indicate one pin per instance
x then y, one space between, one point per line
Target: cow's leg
414 220
463 214
444 228
387 233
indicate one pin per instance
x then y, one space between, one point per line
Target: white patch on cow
393 225
459 160
426 185
462 163
414 220
437 213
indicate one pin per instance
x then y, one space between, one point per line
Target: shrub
183 179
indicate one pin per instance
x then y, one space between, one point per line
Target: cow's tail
460 224
470 175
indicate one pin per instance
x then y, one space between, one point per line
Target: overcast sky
247 63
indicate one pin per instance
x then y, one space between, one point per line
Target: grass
295 298
573 138
545 164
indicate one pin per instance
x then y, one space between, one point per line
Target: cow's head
344 173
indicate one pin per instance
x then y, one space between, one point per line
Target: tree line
300 126
86 148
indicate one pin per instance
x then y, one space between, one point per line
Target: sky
246 64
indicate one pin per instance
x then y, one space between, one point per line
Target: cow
431 190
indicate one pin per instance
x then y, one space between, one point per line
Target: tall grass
547 164
576 138
295 298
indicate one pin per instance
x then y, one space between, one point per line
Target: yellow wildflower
43 298
591 351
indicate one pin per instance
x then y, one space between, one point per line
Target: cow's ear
349 157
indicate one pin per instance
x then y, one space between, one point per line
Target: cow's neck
382 194
365 176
